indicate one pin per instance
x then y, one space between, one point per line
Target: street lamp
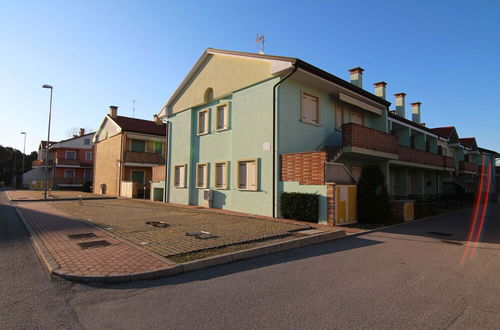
24 151
47 146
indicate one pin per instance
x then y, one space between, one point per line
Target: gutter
274 137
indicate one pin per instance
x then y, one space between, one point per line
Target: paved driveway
127 218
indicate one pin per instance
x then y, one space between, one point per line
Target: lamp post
47 146
24 151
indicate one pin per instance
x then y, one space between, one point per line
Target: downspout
166 189
274 138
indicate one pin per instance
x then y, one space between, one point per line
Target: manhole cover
437 233
201 234
88 245
158 224
79 236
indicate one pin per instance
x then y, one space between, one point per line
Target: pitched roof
44 143
443 131
140 125
411 123
494 153
469 142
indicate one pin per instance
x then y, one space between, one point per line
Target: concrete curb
407 222
60 199
53 267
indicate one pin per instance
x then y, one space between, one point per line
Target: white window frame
87 153
207 122
204 184
303 117
182 178
69 151
247 187
69 170
225 124
86 142
224 175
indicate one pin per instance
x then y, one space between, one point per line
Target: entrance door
345 204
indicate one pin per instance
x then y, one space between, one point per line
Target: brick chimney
157 120
82 131
400 104
415 112
357 76
380 88
113 111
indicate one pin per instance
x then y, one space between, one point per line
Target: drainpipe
275 150
166 189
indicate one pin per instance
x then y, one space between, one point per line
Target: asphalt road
401 277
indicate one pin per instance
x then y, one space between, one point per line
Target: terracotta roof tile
140 126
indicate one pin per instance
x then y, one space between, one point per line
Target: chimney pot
157 120
113 111
380 89
415 112
82 131
400 104
357 76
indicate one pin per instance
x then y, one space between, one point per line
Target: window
88 155
157 147
70 174
357 118
203 122
412 141
222 117
309 109
221 175
70 154
137 176
88 175
138 145
427 146
201 175
247 175
180 176
440 150
339 117
86 142
209 95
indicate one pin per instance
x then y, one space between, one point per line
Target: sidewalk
66 257
22 195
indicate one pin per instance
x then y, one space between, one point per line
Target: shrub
300 206
373 199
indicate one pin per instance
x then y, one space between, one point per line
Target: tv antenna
133 108
260 43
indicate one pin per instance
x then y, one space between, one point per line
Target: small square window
222 117
309 109
88 155
203 122
201 175
70 154
86 142
247 174
221 175
180 176
157 147
138 145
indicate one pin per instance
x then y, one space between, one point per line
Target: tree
373 199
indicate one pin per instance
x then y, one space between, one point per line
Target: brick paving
127 219
20 195
53 227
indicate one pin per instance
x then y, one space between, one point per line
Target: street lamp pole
47 146
24 152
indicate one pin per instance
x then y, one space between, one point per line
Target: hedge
300 206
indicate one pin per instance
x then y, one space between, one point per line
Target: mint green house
247 127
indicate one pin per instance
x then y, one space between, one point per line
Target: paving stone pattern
53 227
21 195
127 219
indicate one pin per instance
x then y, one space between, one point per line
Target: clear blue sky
445 54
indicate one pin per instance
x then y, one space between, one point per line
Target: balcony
354 135
69 181
143 158
464 166
411 155
60 161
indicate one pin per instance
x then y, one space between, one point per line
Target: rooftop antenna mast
133 108
260 43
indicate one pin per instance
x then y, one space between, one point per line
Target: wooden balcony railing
466 166
66 161
354 135
143 158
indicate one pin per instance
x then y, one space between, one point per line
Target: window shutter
242 173
219 173
221 117
182 176
251 175
309 108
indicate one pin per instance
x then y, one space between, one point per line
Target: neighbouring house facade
250 127
70 163
128 152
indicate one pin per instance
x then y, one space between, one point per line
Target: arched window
209 95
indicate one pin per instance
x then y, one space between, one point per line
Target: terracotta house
126 151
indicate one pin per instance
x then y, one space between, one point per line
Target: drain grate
437 233
92 244
79 236
452 242
158 224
